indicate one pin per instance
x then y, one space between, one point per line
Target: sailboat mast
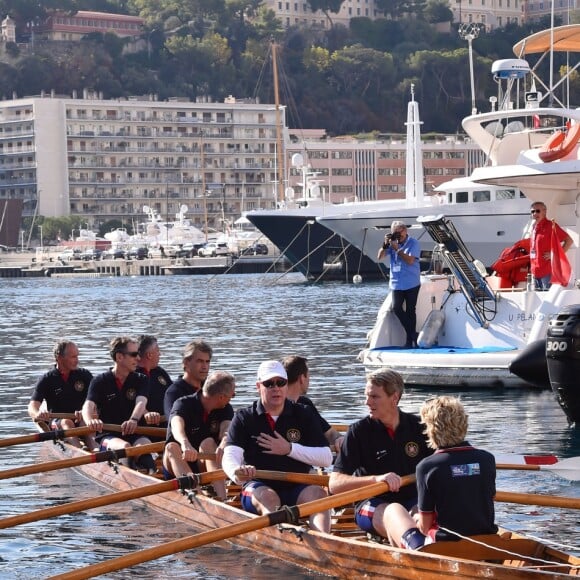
279 150
414 163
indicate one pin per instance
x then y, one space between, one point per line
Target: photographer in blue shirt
405 276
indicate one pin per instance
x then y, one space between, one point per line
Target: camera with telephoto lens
391 237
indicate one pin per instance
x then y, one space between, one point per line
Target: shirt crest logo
131 394
293 435
162 381
79 386
412 449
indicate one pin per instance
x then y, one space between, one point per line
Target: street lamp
470 31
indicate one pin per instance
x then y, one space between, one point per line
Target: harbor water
246 318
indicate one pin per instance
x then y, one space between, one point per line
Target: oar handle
150 431
305 478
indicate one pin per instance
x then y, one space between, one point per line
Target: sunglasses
275 383
535 211
132 353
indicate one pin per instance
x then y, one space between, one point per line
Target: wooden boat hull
337 556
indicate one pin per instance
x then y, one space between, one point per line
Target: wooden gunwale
338 556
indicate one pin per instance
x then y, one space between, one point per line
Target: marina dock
27 266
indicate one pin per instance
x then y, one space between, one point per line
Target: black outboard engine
563 358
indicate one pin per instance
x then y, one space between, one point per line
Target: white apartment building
106 159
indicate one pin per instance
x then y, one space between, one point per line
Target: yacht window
481 196
505 194
462 197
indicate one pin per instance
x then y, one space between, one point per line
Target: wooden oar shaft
45 436
278 517
537 499
515 466
110 499
73 416
149 431
84 459
305 478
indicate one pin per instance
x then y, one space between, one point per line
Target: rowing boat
346 550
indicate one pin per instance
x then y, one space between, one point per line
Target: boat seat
486 547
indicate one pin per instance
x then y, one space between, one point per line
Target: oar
150 431
73 416
281 516
502 496
84 459
55 435
567 468
536 499
185 482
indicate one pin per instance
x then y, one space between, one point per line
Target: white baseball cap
270 369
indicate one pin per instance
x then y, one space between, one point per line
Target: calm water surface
246 319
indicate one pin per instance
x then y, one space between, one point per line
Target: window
481 196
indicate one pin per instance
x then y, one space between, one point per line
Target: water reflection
246 319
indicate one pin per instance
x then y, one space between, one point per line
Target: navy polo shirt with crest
369 449
116 405
297 424
159 382
198 426
63 396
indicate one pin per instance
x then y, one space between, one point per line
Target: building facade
353 169
107 159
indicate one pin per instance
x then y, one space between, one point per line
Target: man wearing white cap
276 434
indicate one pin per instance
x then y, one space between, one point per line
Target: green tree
438 11
326 7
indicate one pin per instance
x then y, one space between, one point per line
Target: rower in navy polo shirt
276 434
198 424
159 379
119 396
384 446
62 390
196 359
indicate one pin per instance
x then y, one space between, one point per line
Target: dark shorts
104 438
365 511
288 495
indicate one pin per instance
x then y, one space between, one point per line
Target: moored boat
346 551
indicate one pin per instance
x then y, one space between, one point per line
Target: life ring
560 144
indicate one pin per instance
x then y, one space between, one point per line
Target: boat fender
357 279
430 331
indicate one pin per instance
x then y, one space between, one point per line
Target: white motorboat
477 329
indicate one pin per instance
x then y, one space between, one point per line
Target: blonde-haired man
456 484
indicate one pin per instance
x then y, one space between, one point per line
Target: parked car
255 250
69 254
90 254
214 249
113 254
138 253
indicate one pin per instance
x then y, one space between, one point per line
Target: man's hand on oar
185 482
281 516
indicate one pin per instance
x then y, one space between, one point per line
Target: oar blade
567 468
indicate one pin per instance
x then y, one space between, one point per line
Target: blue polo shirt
403 276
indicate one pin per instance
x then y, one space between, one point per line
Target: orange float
560 144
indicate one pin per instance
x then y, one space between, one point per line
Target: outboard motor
531 365
563 358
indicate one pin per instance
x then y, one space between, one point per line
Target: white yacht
476 328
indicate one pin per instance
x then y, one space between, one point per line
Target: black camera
391 237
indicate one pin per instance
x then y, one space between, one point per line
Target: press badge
396 267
